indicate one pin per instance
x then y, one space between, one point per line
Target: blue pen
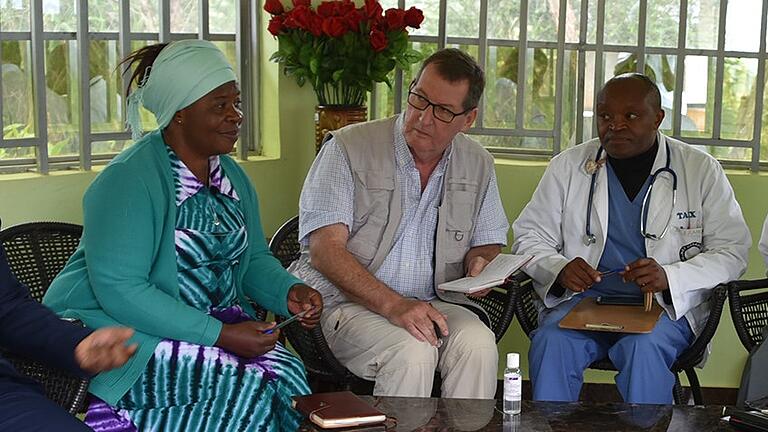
288 321
612 271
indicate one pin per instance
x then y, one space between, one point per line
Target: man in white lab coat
633 211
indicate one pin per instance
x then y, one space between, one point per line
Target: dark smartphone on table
619 300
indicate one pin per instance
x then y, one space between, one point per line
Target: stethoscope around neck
589 237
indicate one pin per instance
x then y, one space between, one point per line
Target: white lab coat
763 245
552 226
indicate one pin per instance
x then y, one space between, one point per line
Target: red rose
316 25
395 19
302 16
345 7
372 9
275 7
334 26
414 17
327 9
378 40
275 25
353 18
297 3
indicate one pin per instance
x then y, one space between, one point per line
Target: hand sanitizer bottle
513 384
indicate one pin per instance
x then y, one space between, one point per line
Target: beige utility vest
377 200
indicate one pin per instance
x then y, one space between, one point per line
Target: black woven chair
322 366
36 253
527 314
749 311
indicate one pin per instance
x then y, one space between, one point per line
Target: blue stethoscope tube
590 239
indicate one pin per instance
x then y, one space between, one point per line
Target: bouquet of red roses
342 49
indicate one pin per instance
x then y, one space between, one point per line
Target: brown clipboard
588 315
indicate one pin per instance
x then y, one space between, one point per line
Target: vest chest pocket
459 217
373 192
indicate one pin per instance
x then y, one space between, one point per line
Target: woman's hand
247 339
302 298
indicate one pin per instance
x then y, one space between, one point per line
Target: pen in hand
288 321
612 271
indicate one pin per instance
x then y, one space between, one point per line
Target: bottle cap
513 360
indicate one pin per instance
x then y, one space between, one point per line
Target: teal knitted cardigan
124 270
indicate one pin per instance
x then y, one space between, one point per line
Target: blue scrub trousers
24 408
558 357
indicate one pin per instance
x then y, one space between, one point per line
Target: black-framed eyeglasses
440 112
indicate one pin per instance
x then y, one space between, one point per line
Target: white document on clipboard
494 274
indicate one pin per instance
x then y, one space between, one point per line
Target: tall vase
332 117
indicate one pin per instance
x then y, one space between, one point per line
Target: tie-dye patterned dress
188 387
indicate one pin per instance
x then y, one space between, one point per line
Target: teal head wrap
182 73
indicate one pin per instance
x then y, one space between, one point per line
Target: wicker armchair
321 364
749 311
36 253
527 314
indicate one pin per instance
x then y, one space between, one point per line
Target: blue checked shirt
326 199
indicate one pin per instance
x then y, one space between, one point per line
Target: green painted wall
287 137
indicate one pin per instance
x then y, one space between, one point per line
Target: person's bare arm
329 255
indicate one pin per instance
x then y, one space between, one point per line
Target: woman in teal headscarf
173 247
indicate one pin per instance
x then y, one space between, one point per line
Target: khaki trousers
374 349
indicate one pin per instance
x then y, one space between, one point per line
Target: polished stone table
431 414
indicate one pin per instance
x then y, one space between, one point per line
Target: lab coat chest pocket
683 244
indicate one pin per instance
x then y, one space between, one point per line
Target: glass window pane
588 131
764 127
572 20
14 15
742 24
18 102
184 17
464 18
500 97
543 21
504 20
739 154
59 15
103 16
738 106
222 16
698 97
110 147
540 80
621 18
591 21
431 9
385 101
145 16
662 23
62 95
11 153
106 87
703 23
508 142
570 87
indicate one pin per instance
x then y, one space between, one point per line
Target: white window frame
246 41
